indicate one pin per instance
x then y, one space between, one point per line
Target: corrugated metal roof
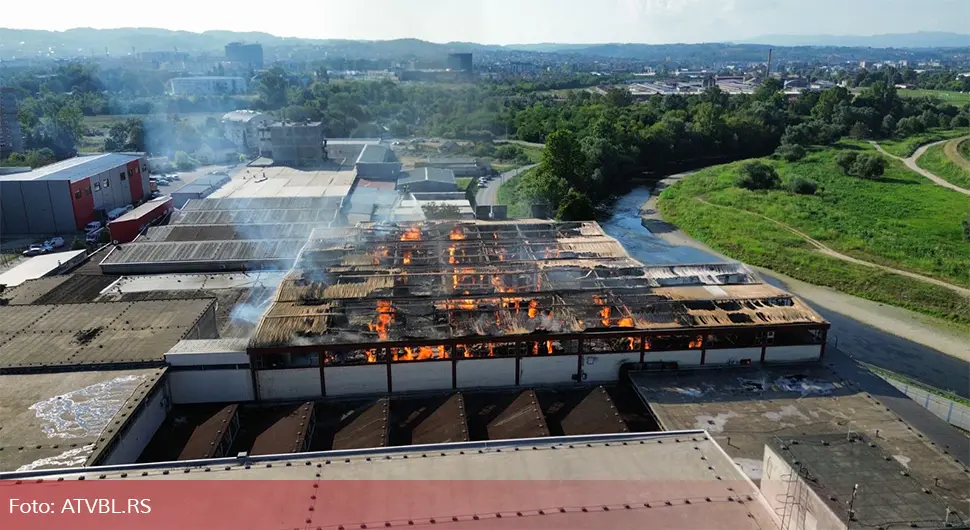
424 174
76 168
215 251
373 154
145 208
262 203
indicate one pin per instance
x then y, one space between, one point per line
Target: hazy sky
506 21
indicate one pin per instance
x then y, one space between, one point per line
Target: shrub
758 176
966 227
860 131
846 160
791 153
868 166
803 186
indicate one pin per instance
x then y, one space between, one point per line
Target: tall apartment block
293 144
11 136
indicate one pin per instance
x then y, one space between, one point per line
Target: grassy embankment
964 149
534 154
511 194
901 220
905 147
947 96
935 161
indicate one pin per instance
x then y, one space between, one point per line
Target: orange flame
451 254
466 353
696 343
533 308
411 234
372 356
599 300
385 315
633 343
535 348
625 322
491 350
549 347
605 313
457 234
646 343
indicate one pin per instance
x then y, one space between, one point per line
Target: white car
54 242
36 249
92 227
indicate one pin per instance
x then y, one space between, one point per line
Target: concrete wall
683 357
547 370
350 380
805 509
606 366
210 386
12 209
62 205
410 376
432 186
140 429
116 194
811 352
474 373
289 383
732 355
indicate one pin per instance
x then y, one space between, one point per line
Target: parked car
54 242
92 226
36 249
94 236
174 176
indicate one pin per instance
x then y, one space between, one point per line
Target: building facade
242 128
242 54
206 85
293 144
65 196
460 62
11 135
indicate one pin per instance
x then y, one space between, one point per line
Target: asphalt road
489 194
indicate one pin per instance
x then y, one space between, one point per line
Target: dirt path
819 246
953 153
911 164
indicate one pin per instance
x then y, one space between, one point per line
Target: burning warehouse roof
397 285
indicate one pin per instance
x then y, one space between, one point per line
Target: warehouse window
77 194
123 174
123 177
97 187
106 182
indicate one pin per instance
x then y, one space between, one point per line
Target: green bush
791 152
846 160
758 176
803 186
868 166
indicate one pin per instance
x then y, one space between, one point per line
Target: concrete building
11 135
377 162
461 62
65 196
293 144
207 85
245 55
427 180
242 128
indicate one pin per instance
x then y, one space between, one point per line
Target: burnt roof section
216 253
106 333
523 418
77 289
833 464
204 440
580 411
440 419
446 280
368 429
284 429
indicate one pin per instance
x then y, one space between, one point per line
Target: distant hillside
893 40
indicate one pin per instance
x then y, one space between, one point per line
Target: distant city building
293 144
461 62
11 136
242 128
206 85
250 55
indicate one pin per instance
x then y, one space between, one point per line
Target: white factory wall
683 357
777 489
474 373
211 386
206 358
349 380
732 355
140 431
547 370
290 383
606 366
420 376
801 353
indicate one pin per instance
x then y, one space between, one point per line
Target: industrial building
460 166
65 196
245 55
293 144
242 128
377 162
200 188
207 85
427 180
128 226
452 305
11 135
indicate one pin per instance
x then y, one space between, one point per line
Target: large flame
605 314
533 308
411 234
451 254
625 322
696 343
457 234
549 347
385 315
407 257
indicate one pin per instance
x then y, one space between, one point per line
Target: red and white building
127 227
67 195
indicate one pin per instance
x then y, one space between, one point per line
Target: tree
791 153
966 228
803 186
575 206
868 166
960 121
910 125
272 88
860 131
888 126
619 97
184 162
758 176
846 160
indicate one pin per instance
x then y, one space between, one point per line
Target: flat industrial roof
259 216
645 480
286 182
76 168
184 233
214 251
260 203
37 267
38 336
373 154
55 420
192 282
748 408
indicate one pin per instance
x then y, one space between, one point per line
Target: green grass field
964 149
511 194
904 147
935 161
951 97
902 220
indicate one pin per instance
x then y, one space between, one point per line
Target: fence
946 409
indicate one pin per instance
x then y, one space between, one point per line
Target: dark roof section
439 419
31 290
184 233
77 289
523 418
571 412
367 429
285 430
374 154
207 437
833 464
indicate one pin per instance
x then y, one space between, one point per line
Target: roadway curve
911 164
489 194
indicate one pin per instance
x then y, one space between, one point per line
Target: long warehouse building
67 195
